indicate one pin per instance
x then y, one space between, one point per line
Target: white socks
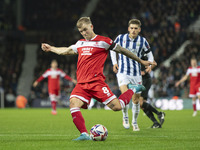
125 111
135 111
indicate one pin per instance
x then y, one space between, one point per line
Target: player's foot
137 88
126 123
156 125
54 112
194 114
83 137
161 117
135 127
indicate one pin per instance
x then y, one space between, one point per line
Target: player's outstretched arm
58 50
149 68
185 77
129 54
35 83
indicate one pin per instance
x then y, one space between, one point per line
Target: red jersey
92 55
194 74
54 78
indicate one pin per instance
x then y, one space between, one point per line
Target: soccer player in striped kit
53 74
129 71
92 52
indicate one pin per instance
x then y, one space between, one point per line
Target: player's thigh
136 97
114 105
76 102
122 79
102 93
80 97
192 93
123 88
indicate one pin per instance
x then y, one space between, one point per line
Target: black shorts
147 84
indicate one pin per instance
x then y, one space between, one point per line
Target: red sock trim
194 107
53 105
78 119
126 96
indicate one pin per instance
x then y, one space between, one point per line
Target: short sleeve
74 48
146 46
188 72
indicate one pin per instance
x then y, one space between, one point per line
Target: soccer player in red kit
92 52
194 73
53 74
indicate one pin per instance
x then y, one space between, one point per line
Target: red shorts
195 90
198 89
54 94
98 90
54 91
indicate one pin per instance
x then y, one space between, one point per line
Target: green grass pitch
37 129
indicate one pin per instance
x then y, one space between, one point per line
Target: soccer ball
98 133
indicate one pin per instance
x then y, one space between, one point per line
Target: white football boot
126 123
194 114
135 127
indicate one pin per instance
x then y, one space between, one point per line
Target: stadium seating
164 24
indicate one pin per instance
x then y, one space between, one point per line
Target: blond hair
83 20
134 21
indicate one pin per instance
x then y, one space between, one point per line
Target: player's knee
136 100
74 103
116 108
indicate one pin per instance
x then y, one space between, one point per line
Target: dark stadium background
169 26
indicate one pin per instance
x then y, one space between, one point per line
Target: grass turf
27 129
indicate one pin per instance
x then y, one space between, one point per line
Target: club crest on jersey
132 50
96 44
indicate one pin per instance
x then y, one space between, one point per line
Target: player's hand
115 68
46 47
148 69
35 84
177 84
143 73
74 81
147 63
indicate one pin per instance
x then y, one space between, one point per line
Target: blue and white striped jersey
138 46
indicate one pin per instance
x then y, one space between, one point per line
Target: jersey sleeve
109 44
188 72
63 75
146 46
74 47
113 54
44 75
117 39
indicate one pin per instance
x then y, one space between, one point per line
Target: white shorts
123 79
54 97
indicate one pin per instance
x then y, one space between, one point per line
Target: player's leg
148 108
125 118
121 102
194 106
53 100
123 81
145 107
193 93
79 99
135 111
92 102
75 105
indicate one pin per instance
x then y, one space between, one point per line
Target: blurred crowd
11 59
164 24
164 85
